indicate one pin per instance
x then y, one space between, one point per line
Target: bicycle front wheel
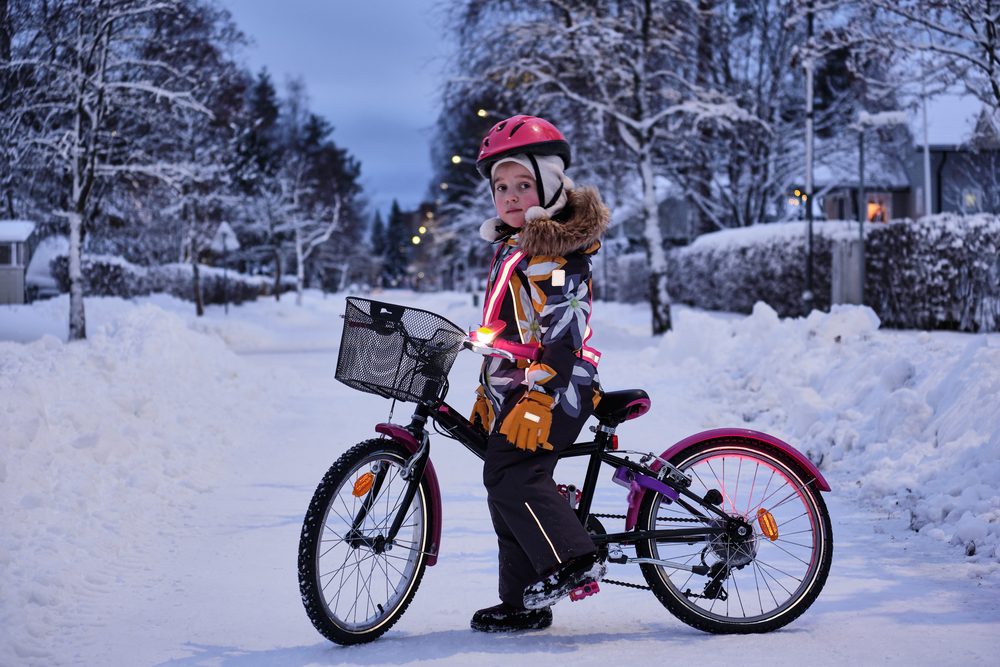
354 584
756 582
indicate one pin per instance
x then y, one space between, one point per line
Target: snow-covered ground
153 481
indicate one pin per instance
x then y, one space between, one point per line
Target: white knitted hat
552 189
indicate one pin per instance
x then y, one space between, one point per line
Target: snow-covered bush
733 269
178 280
108 275
104 275
628 279
938 272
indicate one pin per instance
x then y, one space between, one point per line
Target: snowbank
106 445
903 420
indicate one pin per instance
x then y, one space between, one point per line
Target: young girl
539 287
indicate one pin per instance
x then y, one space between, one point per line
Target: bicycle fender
811 470
405 438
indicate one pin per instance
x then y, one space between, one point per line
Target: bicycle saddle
619 406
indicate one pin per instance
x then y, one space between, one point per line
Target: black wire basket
396 351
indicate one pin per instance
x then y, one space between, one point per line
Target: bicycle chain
623 516
626 584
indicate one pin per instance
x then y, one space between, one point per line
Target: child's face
514 192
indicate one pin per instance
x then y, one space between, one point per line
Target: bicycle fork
412 473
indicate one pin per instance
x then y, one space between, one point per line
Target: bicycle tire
761 584
353 593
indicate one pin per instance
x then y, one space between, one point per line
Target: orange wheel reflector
767 524
364 485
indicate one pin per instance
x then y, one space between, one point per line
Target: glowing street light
456 159
422 230
416 240
482 113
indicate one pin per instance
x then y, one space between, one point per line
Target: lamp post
807 295
224 241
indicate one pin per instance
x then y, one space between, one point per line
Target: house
964 167
15 252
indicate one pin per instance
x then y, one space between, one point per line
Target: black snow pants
536 527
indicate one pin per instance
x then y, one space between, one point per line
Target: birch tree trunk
77 317
656 259
300 269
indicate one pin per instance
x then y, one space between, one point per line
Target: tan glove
482 411
527 426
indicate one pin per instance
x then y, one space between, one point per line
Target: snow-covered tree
612 66
87 100
961 34
301 188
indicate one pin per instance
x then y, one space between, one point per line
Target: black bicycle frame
474 439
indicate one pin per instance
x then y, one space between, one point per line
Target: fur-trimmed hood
583 221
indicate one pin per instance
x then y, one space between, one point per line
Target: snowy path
893 597
219 587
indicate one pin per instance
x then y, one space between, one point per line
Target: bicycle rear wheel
758 582
354 585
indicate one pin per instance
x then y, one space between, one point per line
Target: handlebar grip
519 350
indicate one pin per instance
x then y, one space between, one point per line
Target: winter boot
565 579
507 618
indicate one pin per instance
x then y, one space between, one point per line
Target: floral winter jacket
546 301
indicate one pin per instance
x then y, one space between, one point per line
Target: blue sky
372 68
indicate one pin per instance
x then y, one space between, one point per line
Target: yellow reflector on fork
364 484
767 524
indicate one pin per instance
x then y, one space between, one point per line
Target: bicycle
727 526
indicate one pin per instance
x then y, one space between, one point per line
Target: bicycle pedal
584 591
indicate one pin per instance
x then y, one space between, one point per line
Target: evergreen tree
396 255
378 238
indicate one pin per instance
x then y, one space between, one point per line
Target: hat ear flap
488 230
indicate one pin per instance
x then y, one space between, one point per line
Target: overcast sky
373 68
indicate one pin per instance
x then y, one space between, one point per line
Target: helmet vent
501 126
486 142
516 128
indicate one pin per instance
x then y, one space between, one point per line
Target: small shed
14 258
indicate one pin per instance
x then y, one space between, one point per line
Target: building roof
15 231
951 120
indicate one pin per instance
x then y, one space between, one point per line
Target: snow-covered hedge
109 275
733 269
628 279
938 272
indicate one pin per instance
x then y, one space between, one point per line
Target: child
539 286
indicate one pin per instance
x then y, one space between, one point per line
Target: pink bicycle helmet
521 134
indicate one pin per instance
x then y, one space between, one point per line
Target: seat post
601 439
